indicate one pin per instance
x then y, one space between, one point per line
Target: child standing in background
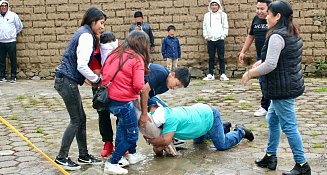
171 49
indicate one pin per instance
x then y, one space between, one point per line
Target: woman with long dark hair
131 60
72 72
283 81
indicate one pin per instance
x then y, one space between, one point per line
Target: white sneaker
114 169
134 158
123 162
223 77
209 77
260 112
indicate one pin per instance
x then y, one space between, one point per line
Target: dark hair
93 14
183 75
265 1
138 14
139 42
286 19
171 27
107 37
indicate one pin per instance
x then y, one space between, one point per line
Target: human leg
127 129
169 63
13 60
212 52
3 54
174 63
286 113
221 140
68 90
155 100
221 56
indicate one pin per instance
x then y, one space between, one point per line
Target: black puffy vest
286 80
68 65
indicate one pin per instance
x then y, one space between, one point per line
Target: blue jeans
127 132
155 100
281 115
221 140
68 90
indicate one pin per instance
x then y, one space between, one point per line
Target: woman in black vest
283 81
72 72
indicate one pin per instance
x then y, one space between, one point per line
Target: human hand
241 58
256 64
152 49
144 119
137 27
245 78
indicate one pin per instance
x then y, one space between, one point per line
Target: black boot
269 162
247 133
227 125
299 170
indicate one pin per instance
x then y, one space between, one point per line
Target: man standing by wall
144 26
215 30
258 32
10 26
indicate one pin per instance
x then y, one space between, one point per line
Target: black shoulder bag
100 98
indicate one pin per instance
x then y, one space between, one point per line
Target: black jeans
265 103
10 49
68 90
218 46
105 127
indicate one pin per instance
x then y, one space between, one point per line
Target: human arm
179 49
248 41
204 29
163 140
18 24
225 25
275 45
83 52
144 105
163 49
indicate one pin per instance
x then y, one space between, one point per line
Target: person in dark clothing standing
144 26
283 81
257 33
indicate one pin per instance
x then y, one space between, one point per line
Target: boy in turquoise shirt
194 122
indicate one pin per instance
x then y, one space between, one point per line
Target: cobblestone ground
37 111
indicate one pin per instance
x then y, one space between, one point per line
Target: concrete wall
49 24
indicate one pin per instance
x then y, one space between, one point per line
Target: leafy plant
320 90
13 117
39 130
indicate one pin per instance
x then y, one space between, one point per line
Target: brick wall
49 24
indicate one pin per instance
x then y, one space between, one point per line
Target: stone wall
49 24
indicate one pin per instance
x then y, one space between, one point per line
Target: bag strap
120 66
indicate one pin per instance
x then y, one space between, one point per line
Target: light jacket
10 25
215 25
106 49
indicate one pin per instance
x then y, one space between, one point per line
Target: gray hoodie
10 25
215 25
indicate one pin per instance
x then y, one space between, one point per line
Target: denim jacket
171 48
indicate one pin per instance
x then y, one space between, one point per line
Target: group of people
96 57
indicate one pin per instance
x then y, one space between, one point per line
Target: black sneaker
299 170
89 159
247 132
269 162
178 142
67 164
227 125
